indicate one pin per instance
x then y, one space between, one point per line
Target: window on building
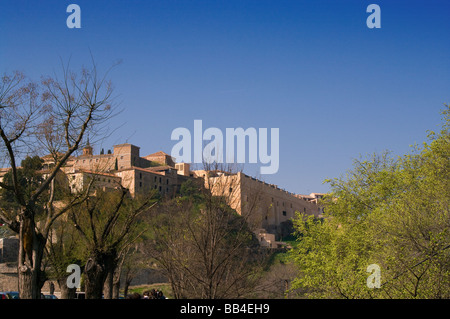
160 179
284 213
160 188
140 175
167 182
140 184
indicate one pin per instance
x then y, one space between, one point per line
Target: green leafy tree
107 224
393 212
28 176
64 247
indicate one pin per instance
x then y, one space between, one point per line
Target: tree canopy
389 211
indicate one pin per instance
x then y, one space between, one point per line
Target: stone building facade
123 166
267 207
9 248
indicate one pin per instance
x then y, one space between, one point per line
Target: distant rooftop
126 144
159 153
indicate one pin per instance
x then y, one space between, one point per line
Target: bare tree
55 117
115 281
275 282
206 249
133 262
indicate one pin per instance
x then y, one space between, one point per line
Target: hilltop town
124 165
271 207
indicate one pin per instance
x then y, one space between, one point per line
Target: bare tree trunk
31 251
95 278
116 279
97 270
116 289
108 287
125 288
66 292
112 283
26 283
128 280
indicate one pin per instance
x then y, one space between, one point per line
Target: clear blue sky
334 87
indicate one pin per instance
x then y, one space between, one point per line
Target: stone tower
87 150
